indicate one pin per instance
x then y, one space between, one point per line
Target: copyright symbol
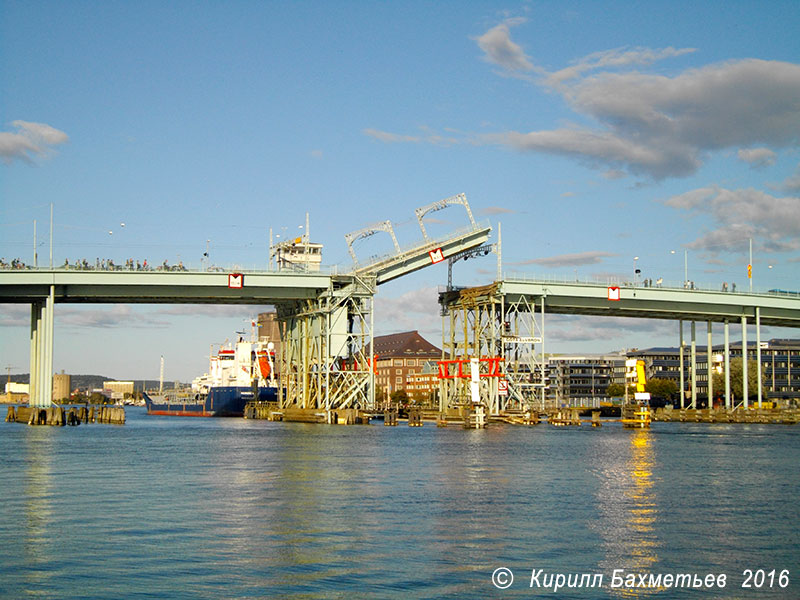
502 578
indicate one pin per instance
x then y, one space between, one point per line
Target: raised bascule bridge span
506 319
326 318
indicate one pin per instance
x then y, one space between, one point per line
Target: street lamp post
204 261
685 266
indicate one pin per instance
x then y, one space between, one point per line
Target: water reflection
291 505
38 510
628 507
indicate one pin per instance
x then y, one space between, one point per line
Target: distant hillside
91 382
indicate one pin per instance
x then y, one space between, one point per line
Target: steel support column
709 370
36 329
41 376
694 365
680 365
727 351
745 394
758 351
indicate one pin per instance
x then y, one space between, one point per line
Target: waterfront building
117 390
422 386
780 360
16 393
400 356
582 380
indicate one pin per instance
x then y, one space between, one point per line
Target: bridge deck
158 287
658 303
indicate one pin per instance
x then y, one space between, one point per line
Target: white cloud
117 316
601 148
649 125
500 50
496 210
28 140
430 137
619 57
15 315
757 157
662 126
742 214
213 310
578 331
415 310
385 136
570 260
792 184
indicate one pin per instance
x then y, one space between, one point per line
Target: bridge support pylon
484 323
326 363
40 390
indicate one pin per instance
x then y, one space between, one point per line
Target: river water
170 507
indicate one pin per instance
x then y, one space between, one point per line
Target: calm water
225 508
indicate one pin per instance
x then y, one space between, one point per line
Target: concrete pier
724 415
60 416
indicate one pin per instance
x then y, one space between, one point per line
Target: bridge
507 319
326 318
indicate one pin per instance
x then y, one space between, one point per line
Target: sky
599 137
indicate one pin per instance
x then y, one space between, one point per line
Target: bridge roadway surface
204 287
772 308
159 287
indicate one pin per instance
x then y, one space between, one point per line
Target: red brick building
401 361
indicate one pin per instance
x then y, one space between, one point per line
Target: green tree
737 381
662 388
399 397
97 398
615 390
380 394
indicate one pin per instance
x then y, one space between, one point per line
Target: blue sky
595 132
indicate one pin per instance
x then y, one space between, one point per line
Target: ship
238 373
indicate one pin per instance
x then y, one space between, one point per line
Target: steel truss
483 323
325 362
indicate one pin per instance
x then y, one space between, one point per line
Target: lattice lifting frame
325 363
482 322
522 339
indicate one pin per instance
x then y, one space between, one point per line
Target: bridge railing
648 283
172 268
410 248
